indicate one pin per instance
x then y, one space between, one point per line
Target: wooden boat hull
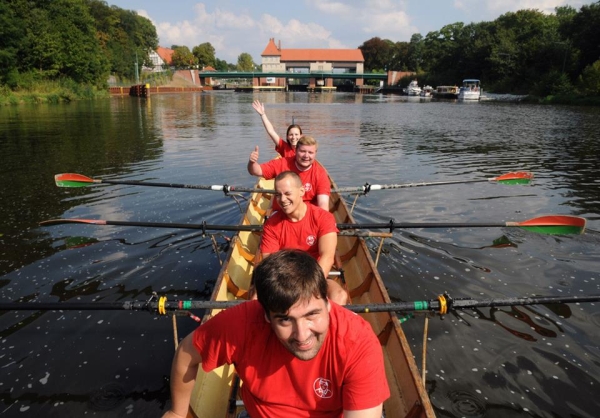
215 392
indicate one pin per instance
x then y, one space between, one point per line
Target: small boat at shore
445 92
216 393
426 91
470 90
413 88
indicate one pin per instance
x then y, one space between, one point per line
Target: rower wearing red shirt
315 180
300 226
297 353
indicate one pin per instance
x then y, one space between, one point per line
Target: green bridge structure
314 81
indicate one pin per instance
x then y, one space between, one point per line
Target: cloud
232 32
490 9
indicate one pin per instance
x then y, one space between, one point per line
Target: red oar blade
73 221
515 177
554 224
73 180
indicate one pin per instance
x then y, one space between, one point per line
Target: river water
541 361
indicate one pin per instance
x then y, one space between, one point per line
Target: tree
245 62
11 35
183 58
415 52
60 41
589 81
584 31
377 53
125 37
221 65
205 54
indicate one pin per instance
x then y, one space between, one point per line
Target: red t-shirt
285 149
347 374
315 179
280 233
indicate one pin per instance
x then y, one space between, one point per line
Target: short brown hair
307 140
287 277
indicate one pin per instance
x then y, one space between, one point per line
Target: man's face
303 328
288 194
305 155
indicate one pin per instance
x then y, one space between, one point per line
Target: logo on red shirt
310 240
307 187
322 388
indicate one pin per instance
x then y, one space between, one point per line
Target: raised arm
253 165
183 377
260 109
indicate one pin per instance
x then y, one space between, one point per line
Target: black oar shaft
223 188
398 225
203 226
425 305
369 187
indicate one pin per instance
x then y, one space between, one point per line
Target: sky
236 26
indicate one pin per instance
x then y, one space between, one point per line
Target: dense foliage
79 40
522 52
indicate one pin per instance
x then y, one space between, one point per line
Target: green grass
60 91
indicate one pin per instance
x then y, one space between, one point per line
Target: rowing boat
216 393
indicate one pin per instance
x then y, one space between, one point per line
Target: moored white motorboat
470 90
426 91
413 88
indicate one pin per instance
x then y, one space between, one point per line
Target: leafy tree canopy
245 62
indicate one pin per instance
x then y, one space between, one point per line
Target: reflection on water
506 361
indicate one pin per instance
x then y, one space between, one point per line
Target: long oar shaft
519 177
214 187
550 224
203 226
444 302
79 180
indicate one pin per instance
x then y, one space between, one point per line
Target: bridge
317 80
288 75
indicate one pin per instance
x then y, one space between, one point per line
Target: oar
442 304
203 226
515 177
550 224
79 180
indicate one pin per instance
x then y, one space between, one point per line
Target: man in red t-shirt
322 360
315 180
300 226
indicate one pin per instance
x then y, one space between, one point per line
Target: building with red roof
278 60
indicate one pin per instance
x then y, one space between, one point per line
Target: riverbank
62 91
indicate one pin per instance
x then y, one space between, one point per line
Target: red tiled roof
166 54
271 48
208 68
329 55
312 55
